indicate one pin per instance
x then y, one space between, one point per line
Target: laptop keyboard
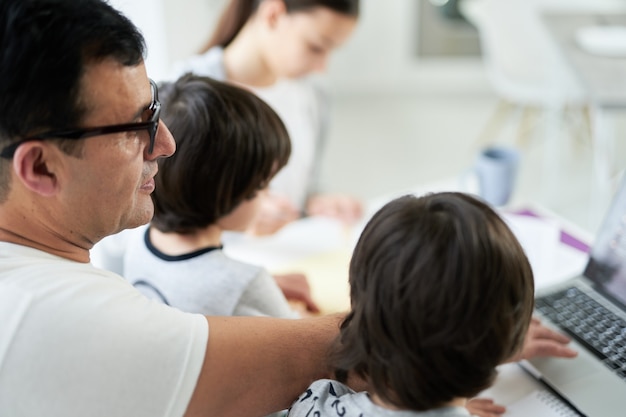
591 324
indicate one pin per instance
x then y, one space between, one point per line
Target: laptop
591 309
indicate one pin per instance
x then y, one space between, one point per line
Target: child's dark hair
442 293
230 143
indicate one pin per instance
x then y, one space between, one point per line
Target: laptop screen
607 258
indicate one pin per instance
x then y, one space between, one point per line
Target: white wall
173 29
189 25
379 57
148 15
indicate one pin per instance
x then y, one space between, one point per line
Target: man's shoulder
26 260
61 289
15 256
42 275
73 318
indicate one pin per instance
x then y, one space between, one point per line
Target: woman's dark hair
237 13
230 143
442 293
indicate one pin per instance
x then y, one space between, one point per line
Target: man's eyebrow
141 110
145 106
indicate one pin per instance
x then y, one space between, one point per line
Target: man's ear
33 164
270 11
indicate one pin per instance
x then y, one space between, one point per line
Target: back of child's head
442 293
229 144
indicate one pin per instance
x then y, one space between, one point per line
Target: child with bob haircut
441 293
229 146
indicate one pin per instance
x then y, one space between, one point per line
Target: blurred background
420 87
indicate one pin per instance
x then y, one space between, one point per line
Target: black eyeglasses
151 125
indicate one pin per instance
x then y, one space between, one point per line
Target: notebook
591 308
540 403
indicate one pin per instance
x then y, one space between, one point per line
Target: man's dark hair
45 47
230 143
442 293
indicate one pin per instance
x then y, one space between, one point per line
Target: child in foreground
441 293
229 146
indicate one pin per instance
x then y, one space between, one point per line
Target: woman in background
270 47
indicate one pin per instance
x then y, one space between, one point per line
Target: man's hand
541 341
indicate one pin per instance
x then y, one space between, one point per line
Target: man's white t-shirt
77 341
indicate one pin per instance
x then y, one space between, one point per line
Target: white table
321 248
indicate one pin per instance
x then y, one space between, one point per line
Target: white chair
530 76
522 63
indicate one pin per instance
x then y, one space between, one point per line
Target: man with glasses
150 114
80 137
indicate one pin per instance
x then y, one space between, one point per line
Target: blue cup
496 169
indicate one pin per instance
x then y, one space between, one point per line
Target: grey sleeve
263 297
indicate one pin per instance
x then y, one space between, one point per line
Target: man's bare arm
254 366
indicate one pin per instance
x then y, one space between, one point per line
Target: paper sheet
318 247
524 396
328 277
301 239
551 260
540 403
